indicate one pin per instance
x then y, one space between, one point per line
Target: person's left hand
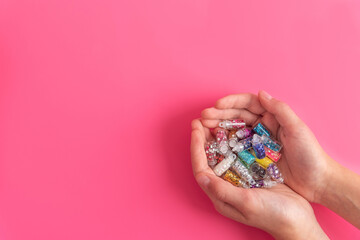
277 210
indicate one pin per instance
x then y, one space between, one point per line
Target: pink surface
96 99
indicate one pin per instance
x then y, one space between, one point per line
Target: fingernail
266 95
203 180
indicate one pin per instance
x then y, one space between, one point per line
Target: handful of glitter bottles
244 157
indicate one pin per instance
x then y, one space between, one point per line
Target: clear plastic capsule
222 141
210 151
233 140
258 146
224 165
232 124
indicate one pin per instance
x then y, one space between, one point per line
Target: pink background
96 100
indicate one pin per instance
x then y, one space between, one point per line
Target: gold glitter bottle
232 178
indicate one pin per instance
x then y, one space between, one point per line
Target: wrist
301 232
341 193
326 186
332 182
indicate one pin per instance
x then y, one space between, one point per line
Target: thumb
281 111
218 189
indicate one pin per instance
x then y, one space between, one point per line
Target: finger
210 123
225 209
196 124
198 156
248 101
282 112
216 114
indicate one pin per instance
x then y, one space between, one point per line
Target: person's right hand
278 210
304 164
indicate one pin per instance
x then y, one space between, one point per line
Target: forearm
342 193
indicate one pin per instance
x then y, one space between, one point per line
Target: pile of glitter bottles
244 157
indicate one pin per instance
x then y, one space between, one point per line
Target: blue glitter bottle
261 130
246 158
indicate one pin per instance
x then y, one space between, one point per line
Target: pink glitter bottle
275 156
210 151
222 141
243 133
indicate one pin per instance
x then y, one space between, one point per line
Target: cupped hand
304 164
277 210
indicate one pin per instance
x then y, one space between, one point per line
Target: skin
309 173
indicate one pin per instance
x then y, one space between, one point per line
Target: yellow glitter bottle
265 162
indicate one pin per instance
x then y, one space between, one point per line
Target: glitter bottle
242 171
264 162
271 143
232 124
257 171
246 158
232 138
275 156
263 183
261 130
274 173
224 165
210 151
243 133
258 146
219 157
222 141
243 145
232 178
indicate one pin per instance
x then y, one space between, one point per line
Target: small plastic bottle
210 151
242 171
224 165
232 124
232 138
246 158
258 146
271 143
261 130
243 145
222 141
275 156
243 133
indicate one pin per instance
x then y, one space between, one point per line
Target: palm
300 162
280 202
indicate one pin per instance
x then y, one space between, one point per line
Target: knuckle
220 103
206 113
253 98
282 105
194 123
